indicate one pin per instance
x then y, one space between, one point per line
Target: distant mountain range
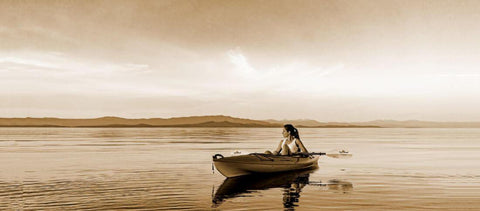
222 121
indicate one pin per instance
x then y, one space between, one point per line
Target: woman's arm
279 148
301 146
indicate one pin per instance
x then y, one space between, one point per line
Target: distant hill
315 124
303 122
194 121
419 124
222 121
380 123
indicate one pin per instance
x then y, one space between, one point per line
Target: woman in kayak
291 144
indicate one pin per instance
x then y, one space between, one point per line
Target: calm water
170 168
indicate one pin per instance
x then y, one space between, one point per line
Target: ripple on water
140 190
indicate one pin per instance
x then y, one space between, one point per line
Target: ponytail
292 130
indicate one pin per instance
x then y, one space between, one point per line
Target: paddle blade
341 154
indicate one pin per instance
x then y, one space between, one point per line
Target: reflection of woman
291 194
291 144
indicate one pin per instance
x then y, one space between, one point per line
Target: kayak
259 163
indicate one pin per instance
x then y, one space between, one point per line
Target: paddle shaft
311 153
332 155
317 153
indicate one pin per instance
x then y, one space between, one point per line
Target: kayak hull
262 164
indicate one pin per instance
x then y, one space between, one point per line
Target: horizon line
221 115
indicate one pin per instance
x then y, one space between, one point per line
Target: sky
322 60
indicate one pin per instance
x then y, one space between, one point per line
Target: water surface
170 168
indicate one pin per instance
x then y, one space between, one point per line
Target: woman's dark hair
292 130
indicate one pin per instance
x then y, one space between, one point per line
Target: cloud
26 62
56 63
472 76
240 61
287 76
54 72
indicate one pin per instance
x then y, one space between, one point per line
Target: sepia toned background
350 75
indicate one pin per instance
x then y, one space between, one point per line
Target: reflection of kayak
291 183
235 187
262 163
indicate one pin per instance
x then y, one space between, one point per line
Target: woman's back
292 145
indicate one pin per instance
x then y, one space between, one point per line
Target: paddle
342 154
